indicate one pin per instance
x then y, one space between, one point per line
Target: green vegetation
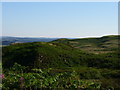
56 55
104 44
20 77
60 65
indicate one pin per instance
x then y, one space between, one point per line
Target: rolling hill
63 63
57 55
103 44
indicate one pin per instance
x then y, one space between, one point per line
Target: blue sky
60 19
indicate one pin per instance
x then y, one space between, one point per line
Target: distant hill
11 40
103 44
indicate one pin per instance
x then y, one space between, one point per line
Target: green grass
59 64
93 45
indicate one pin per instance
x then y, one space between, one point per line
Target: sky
59 19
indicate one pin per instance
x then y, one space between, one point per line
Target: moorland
65 64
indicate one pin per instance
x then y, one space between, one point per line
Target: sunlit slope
104 44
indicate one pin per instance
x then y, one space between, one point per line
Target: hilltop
41 54
105 44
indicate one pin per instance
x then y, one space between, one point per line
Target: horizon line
58 37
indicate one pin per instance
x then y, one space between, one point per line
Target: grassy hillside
61 65
104 44
41 54
47 55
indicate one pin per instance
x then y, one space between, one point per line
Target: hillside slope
104 44
60 65
41 54
58 55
